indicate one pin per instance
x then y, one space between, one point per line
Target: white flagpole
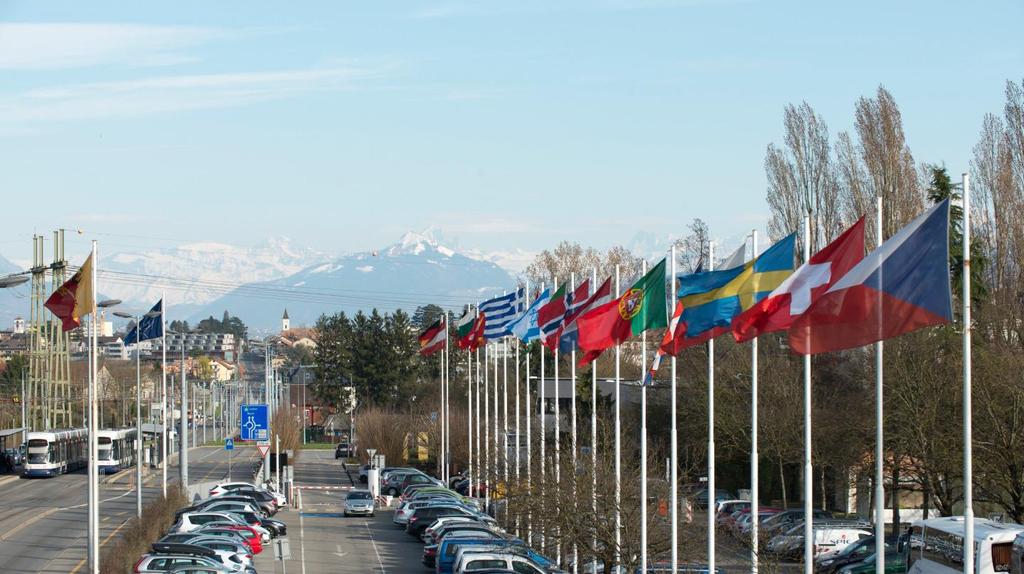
543 430
968 434
618 443
444 404
528 419
879 431
558 441
504 416
469 421
755 527
494 423
519 439
94 502
575 455
643 442
674 439
808 469
479 445
593 446
163 382
487 431
711 435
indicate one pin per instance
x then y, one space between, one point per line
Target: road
43 526
321 539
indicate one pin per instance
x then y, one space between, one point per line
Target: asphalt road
321 539
43 522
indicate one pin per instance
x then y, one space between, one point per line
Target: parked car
166 556
225 487
423 517
236 547
700 497
343 450
726 508
229 536
895 563
359 502
16 456
830 562
474 562
251 537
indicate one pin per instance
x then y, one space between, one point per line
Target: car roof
177 548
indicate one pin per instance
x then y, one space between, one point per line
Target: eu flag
151 325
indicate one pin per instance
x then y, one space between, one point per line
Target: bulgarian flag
640 308
470 330
74 299
433 338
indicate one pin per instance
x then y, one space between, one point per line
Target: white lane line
374 542
302 537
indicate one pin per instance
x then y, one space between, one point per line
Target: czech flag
900 287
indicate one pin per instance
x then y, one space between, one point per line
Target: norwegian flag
554 316
568 334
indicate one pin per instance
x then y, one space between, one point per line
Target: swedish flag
711 299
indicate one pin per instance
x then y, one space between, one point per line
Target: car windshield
358 496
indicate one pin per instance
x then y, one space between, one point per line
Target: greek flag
500 311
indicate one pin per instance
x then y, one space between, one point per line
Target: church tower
285 322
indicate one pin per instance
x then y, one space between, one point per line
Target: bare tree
887 164
802 178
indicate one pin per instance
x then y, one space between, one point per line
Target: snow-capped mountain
416 270
201 272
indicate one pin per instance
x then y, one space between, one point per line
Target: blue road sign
254 423
229 443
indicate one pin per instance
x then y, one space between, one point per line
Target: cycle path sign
254 423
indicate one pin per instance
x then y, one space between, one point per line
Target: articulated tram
116 449
55 452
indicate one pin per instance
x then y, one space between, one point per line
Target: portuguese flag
433 338
640 308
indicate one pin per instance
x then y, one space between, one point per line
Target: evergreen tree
940 187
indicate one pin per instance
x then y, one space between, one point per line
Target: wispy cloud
164 94
63 45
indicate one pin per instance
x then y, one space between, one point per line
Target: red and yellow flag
74 299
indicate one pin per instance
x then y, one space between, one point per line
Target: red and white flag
789 300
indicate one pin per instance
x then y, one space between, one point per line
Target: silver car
359 502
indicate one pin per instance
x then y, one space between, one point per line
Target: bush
139 535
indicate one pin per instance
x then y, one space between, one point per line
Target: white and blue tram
116 449
55 452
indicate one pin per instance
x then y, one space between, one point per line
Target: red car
252 538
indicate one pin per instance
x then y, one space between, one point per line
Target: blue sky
505 124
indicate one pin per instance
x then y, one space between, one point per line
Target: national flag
553 316
477 337
500 311
900 287
525 327
74 299
793 296
432 339
640 308
568 335
151 325
465 323
666 339
711 299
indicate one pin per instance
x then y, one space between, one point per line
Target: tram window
37 442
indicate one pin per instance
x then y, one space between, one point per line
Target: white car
192 521
227 487
233 506
488 560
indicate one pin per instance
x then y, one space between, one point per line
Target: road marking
374 542
27 523
102 544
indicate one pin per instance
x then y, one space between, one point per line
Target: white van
936 546
827 538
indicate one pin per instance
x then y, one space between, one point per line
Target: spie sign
254 423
